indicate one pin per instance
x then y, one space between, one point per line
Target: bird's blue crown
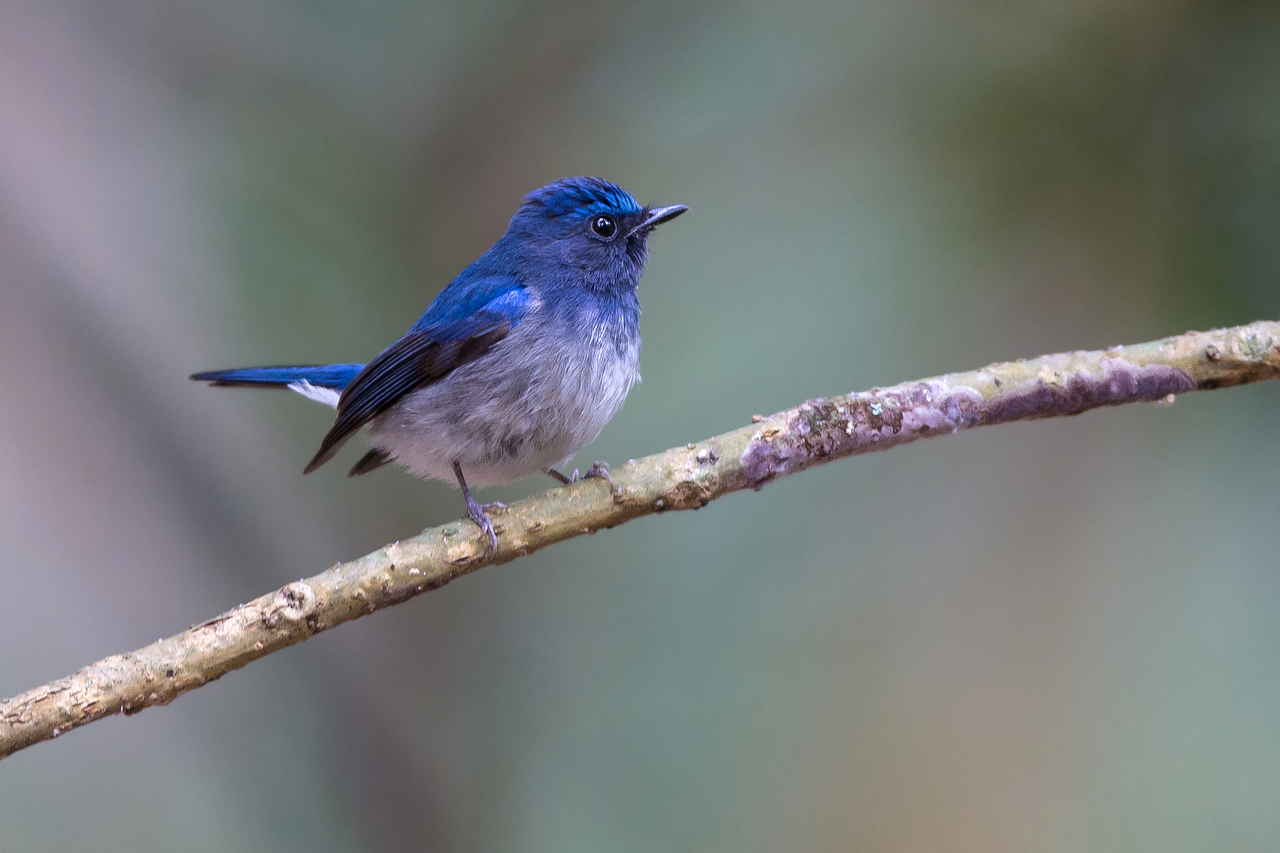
583 197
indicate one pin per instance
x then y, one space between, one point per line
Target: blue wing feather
476 289
427 353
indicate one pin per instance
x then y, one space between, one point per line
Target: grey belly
502 417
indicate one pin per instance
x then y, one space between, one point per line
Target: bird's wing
426 354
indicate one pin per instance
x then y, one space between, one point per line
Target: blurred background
1057 636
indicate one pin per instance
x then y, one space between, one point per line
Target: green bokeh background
1058 636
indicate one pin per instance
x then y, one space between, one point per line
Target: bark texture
687 477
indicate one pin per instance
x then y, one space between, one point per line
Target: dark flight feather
417 358
371 461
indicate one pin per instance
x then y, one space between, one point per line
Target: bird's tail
322 382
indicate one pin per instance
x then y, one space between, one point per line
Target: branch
688 477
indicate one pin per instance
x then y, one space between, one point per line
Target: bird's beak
659 215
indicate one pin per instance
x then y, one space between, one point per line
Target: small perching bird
516 365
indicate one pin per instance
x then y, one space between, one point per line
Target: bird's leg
475 510
563 480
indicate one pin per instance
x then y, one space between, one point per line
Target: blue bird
515 366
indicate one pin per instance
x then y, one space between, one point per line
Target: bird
515 366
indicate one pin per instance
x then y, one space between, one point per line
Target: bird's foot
599 470
477 514
476 511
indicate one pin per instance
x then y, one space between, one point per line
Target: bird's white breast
529 404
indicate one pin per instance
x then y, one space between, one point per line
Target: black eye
604 226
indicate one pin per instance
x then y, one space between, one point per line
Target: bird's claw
599 470
477 514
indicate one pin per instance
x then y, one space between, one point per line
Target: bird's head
589 228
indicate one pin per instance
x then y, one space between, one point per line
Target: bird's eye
604 226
